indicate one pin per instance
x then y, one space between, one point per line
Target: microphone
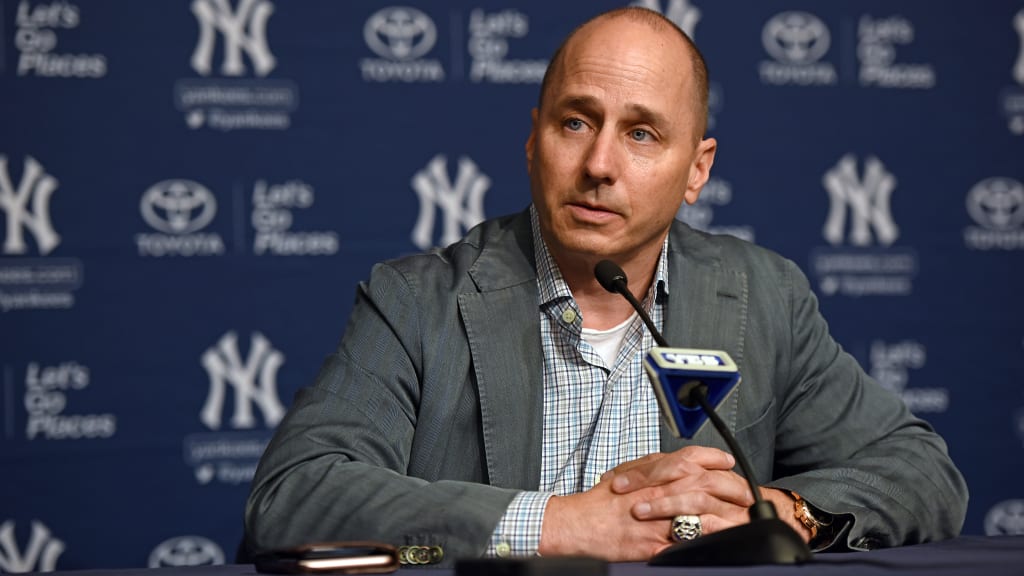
684 380
675 372
613 279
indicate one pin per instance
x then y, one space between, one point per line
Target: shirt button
503 550
569 316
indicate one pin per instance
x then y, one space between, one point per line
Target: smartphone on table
329 558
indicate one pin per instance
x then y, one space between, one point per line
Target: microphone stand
765 539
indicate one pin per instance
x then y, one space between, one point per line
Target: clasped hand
627 515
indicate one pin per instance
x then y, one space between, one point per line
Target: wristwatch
818 522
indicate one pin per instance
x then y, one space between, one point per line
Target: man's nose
604 157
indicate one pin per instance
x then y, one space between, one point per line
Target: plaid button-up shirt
595 416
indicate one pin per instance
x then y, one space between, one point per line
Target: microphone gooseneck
699 395
613 279
765 539
695 392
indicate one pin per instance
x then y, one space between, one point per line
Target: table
963 556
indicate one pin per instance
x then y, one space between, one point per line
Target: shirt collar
550 282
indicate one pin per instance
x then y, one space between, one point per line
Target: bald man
489 399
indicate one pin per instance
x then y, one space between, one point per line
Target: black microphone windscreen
609 274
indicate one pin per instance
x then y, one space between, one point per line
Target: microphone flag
672 369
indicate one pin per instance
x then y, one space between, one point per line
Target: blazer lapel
503 328
707 309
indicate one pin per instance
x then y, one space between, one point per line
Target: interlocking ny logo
243 29
462 204
1018 68
40 555
39 186
254 382
867 201
679 11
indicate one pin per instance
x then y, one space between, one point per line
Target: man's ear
531 142
700 170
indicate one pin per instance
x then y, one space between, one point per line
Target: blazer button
503 550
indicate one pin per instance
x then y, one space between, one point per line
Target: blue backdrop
190 190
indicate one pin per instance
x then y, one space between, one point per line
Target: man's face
612 153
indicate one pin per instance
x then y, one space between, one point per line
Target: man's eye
640 135
574 124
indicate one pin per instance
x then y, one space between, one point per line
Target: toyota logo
400 33
178 206
186 551
796 38
1005 518
997 203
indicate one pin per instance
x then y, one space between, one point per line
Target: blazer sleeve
338 465
851 447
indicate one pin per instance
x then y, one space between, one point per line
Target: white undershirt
608 342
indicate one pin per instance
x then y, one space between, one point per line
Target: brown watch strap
803 513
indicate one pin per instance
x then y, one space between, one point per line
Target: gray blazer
426 422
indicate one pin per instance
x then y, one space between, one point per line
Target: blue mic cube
669 369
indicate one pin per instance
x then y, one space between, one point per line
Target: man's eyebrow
590 103
648 115
577 102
